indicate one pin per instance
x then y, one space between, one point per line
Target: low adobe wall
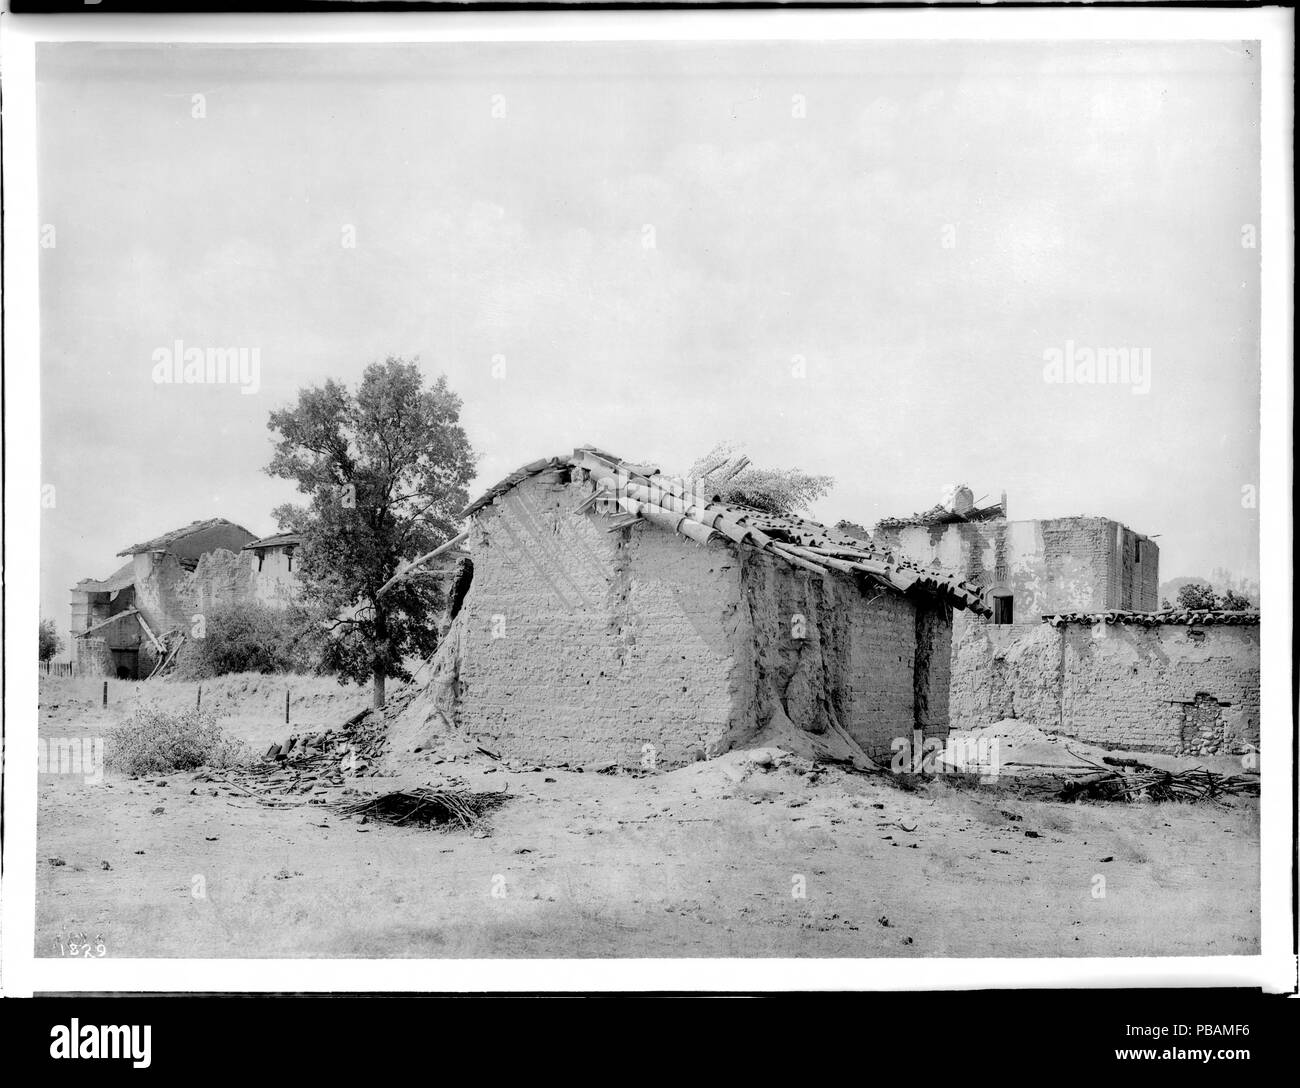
583 646
1169 688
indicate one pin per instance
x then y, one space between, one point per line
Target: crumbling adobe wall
1146 583
1169 688
1077 564
791 648
94 657
829 659
162 591
822 657
882 664
1005 671
583 646
578 645
170 596
1166 688
221 578
1139 569
933 675
1080 566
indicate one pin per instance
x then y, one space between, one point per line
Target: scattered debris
1134 782
423 806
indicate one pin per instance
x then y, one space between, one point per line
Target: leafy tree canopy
384 471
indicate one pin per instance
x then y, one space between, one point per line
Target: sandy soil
703 861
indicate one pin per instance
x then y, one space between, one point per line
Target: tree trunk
381 648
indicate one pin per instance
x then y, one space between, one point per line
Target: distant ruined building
125 624
1075 642
1031 568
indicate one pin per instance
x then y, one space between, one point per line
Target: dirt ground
753 854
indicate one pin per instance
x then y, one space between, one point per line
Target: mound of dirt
1014 748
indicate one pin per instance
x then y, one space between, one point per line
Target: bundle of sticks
1127 784
424 806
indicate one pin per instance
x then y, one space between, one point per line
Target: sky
853 258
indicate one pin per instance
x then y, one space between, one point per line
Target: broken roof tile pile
941 515
1186 616
646 495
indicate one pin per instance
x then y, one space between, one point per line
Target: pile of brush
1137 782
424 807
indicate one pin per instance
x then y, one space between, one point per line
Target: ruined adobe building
121 624
611 609
1029 569
1074 643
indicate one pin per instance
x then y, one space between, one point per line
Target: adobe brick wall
93 657
932 679
170 596
162 591
579 645
832 658
221 578
1138 687
1005 671
1168 688
882 664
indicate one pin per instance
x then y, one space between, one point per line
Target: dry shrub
155 741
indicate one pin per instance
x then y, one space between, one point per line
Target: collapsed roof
167 540
941 515
646 494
